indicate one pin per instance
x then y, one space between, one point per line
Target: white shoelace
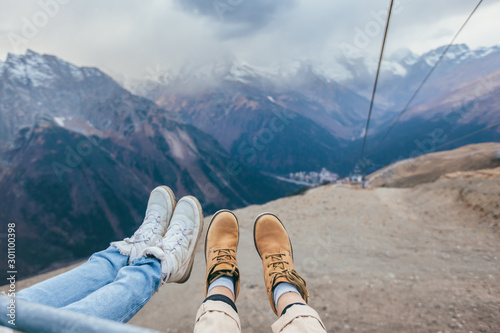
148 229
178 236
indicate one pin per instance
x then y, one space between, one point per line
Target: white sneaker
176 248
161 204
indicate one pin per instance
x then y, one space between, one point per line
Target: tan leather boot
275 249
221 244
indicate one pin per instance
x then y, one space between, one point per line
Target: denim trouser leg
126 295
76 284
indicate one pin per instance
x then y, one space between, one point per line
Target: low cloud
128 38
245 16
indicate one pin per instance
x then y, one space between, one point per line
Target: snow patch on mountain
486 51
76 72
245 72
240 73
458 54
59 121
89 71
432 60
410 60
31 68
395 68
287 72
42 70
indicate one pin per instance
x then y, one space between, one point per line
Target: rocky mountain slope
79 156
421 259
430 167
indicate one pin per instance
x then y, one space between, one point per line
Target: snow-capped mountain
458 105
404 71
458 54
36 87
40 71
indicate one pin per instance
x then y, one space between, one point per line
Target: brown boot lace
223 256
291 275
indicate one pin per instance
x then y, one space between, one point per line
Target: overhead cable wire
405 109
468 135
375 88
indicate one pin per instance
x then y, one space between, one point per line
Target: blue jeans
105 286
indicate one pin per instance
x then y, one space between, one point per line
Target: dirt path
377 260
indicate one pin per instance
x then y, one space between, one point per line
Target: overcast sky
129 38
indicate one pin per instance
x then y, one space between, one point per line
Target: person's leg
299 318
286 289
102 268
217 316
218 313
170 260
72 286
126 295
286 300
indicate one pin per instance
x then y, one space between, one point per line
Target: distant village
314 178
